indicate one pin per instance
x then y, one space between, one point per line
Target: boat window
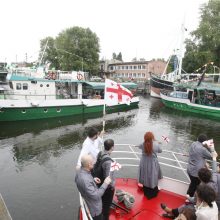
41 85
45 110
1 110
23 111
18 86
58 109
47 85
11 85
25 86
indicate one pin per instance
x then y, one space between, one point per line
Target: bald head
86 160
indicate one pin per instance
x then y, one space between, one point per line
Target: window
45 110
25 86
130 74
41 85
143 67
58 109
143 74
11 85
18 86
126 74
139 67
23 111
48 85
126 67
134 75
135 67
130 67
139 75
122 74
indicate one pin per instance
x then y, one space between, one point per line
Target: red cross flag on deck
166 139
116 93
115 166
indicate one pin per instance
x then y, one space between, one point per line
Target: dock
4 213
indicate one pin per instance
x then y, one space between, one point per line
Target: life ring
79 76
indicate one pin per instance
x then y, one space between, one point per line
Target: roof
101 85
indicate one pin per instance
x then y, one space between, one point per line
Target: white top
207 213
90 147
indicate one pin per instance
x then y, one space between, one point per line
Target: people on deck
149 168
216 179
206 207
103 166
205 177
197 155
91 145
88 188
186 214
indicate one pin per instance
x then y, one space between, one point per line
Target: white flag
116 93
209 143
166 139
115 166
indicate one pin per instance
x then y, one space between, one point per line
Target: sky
137 28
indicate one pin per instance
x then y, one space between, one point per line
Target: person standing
88 188
197 160
91 145
149 168
103 166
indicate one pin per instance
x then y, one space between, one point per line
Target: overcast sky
137 28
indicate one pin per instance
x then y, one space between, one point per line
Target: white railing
173 158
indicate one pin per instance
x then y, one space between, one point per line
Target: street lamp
71 54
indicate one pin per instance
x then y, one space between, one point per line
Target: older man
88 188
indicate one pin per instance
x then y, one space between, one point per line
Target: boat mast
181 50
43 53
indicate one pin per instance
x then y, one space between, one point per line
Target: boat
172 188
34 95
167 81
203 99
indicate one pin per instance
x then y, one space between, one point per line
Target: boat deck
144 208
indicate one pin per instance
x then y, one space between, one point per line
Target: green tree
205 43
74 48
48 53
119 56
114 56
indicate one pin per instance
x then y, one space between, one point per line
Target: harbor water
38 158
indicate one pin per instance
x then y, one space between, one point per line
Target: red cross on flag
166 139
116 93
115 166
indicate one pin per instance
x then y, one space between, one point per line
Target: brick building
135 70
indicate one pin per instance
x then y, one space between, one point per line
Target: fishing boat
203 99
173 186
34 95
166 81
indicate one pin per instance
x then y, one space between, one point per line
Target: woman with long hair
149 168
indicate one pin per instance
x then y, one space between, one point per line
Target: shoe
163 206
166 215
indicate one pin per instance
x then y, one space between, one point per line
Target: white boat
31 95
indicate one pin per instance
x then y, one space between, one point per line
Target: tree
114 56
205 43
75 48
50 53
119 57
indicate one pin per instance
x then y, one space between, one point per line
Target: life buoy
79 76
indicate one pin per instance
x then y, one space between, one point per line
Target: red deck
143 208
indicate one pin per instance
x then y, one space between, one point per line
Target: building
135 70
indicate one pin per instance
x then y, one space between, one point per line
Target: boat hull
23 110
187 106
157 84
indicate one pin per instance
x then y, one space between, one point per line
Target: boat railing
173 162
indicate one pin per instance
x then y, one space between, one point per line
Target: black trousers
149 192
106 202
98 217
193 185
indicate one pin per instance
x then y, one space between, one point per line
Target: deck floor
144 208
